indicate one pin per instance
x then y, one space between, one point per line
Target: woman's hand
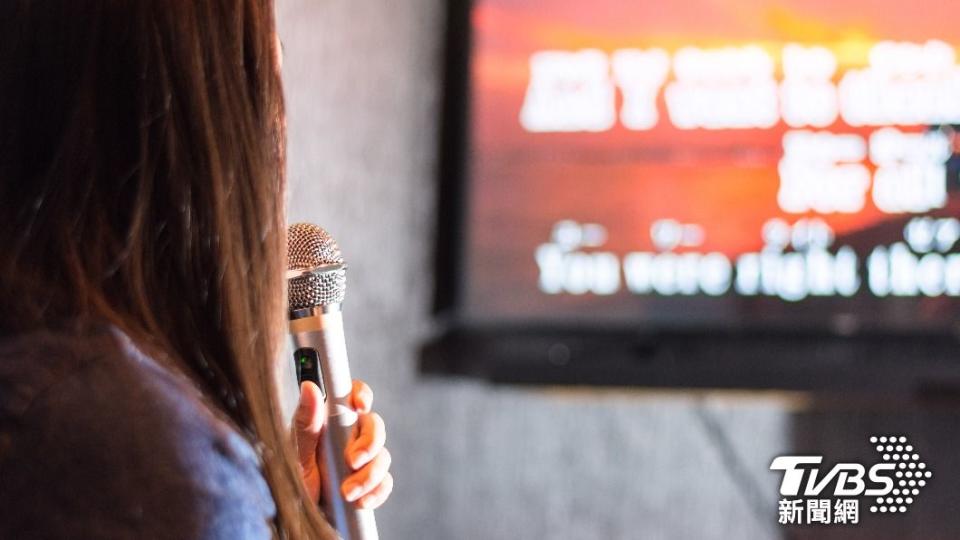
371 482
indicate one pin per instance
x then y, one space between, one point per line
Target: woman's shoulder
99 440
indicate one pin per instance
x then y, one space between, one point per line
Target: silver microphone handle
322 331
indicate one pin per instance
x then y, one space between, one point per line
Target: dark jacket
98 440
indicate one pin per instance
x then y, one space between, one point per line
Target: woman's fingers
308 422
361 397
370 436
371 475
379 494
371 483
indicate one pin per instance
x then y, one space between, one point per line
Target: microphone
316 284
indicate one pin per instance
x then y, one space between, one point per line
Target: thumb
308 422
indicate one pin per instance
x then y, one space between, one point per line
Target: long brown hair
141 184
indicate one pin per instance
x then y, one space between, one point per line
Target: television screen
786 164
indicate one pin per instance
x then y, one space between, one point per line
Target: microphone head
317 275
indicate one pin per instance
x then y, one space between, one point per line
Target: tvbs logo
895 481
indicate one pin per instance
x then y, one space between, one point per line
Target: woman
142 238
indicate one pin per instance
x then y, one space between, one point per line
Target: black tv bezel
819 360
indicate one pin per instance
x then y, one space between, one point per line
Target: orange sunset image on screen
713 133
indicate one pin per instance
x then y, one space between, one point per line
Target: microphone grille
309 247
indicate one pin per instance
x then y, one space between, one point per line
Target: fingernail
359 457
353 492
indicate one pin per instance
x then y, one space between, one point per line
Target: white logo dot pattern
911 472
